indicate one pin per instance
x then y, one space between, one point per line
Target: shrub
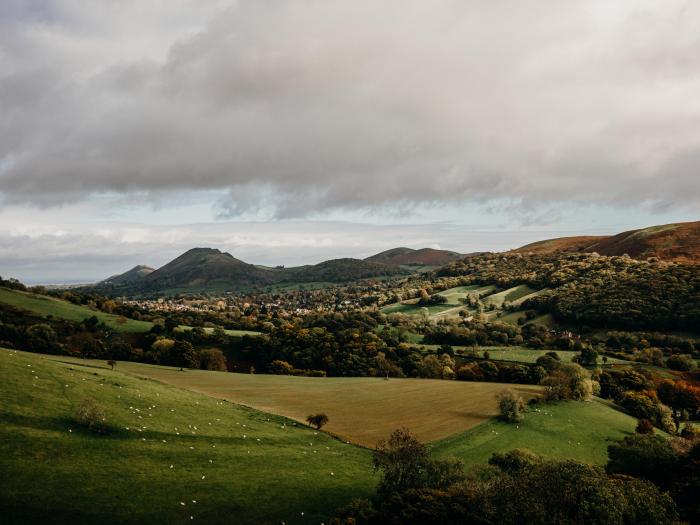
510 406
644 426
279 367
91 415
679 362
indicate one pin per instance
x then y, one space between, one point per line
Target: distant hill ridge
421 257
212 269
678 242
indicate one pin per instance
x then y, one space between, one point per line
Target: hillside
45 306
205 268
135 274
671 242
169 456
210 269
409 256
340 270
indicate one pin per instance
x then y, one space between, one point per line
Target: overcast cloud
323 109
314 105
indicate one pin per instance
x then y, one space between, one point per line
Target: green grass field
49 306
233 333
169 447
567 430
414 309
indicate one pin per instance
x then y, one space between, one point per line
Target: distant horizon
35 278
291 133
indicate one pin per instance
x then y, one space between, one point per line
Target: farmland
362 410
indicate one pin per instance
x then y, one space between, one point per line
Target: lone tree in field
112 363
317 420
510 406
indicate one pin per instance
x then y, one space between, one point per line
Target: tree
212 359
184 355
406 464
317 420
569 381
644 426
588 356
510 406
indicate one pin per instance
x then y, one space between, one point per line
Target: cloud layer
303 107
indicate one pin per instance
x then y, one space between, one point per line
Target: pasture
361 410
170 456
46 306
566 430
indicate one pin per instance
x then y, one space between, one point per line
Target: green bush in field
91 415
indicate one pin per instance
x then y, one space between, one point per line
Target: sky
293 131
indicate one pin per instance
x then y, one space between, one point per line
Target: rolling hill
339 270
135 274
206 268
670 242
209 269
410 257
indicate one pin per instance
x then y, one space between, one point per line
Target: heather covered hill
671 242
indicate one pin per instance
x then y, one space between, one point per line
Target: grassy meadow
571 430
50 306
171 455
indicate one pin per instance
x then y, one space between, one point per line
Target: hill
46 306
411 257
670 242
135 274
339 270
208 269
200 268
169 456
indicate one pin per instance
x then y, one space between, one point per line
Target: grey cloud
300 107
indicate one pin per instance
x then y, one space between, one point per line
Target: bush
91 415
679 362
510 406
279 367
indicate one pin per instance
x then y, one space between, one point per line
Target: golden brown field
361 410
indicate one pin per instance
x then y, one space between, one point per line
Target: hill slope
135 274
45 306
671 242
409 256
169 454
339 270
206 267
